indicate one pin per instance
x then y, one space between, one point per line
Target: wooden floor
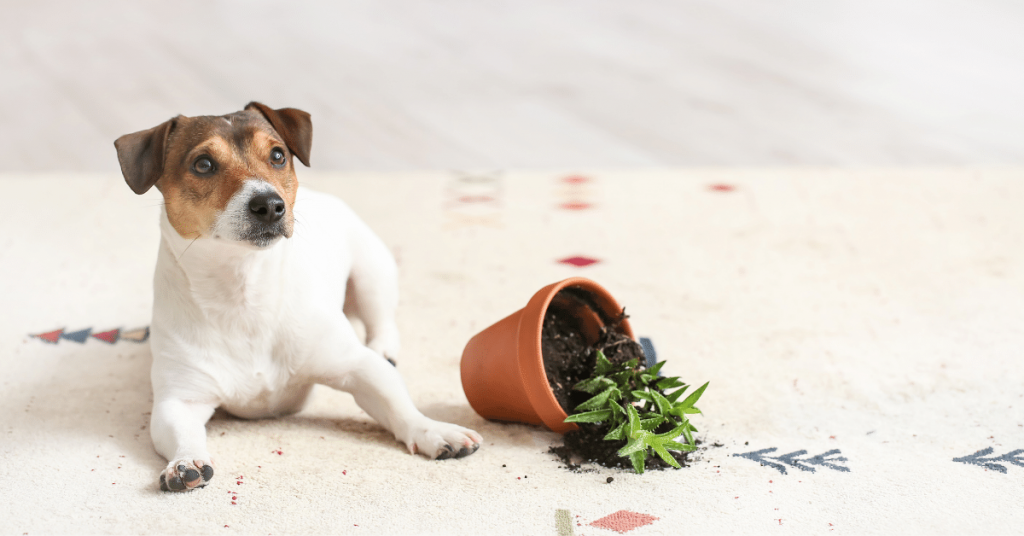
457 84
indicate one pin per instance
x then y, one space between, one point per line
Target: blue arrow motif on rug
649 353
78 336
825 459
1015 457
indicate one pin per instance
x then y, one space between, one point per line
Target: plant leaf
675 445
638 459
590 416
673 433
643 395
594 384
637 443
660 449
621 378
653 371
652 423
664 406
694 396
634 422
617 409
676 394
669 383
597 401
603 366
617 433
688 434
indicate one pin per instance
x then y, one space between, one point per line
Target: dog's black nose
267 207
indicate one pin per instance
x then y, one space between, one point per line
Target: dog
255 280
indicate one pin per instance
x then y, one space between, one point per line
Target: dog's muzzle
255 215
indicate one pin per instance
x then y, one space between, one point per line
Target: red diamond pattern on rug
624 521
578 261
575 205
575 179
722 187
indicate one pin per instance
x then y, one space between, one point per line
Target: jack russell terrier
254 279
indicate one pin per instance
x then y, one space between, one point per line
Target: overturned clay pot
503 366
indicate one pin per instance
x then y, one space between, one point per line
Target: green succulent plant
632 400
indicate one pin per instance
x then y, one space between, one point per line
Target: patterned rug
861 332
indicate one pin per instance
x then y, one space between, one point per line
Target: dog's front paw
182 475
440 441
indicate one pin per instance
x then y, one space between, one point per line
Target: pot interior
572 326
583 308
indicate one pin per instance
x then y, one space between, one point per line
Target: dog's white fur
253 329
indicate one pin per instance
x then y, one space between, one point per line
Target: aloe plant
632 401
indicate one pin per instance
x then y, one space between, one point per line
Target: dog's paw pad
191 478
448 451
467 450
184 475
445 452
442 441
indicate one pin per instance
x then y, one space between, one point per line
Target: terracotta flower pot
503 367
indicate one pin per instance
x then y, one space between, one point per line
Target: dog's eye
277 157
203 165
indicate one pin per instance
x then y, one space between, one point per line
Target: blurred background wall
460 84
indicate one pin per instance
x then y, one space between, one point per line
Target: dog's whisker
188 246
299 221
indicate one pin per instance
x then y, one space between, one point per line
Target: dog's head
228 177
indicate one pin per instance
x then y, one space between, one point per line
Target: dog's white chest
254 361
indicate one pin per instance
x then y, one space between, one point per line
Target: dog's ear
141 155
293 125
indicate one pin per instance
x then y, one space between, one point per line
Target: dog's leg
372 292
178 429
380 391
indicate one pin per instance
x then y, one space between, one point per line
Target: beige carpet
862 333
